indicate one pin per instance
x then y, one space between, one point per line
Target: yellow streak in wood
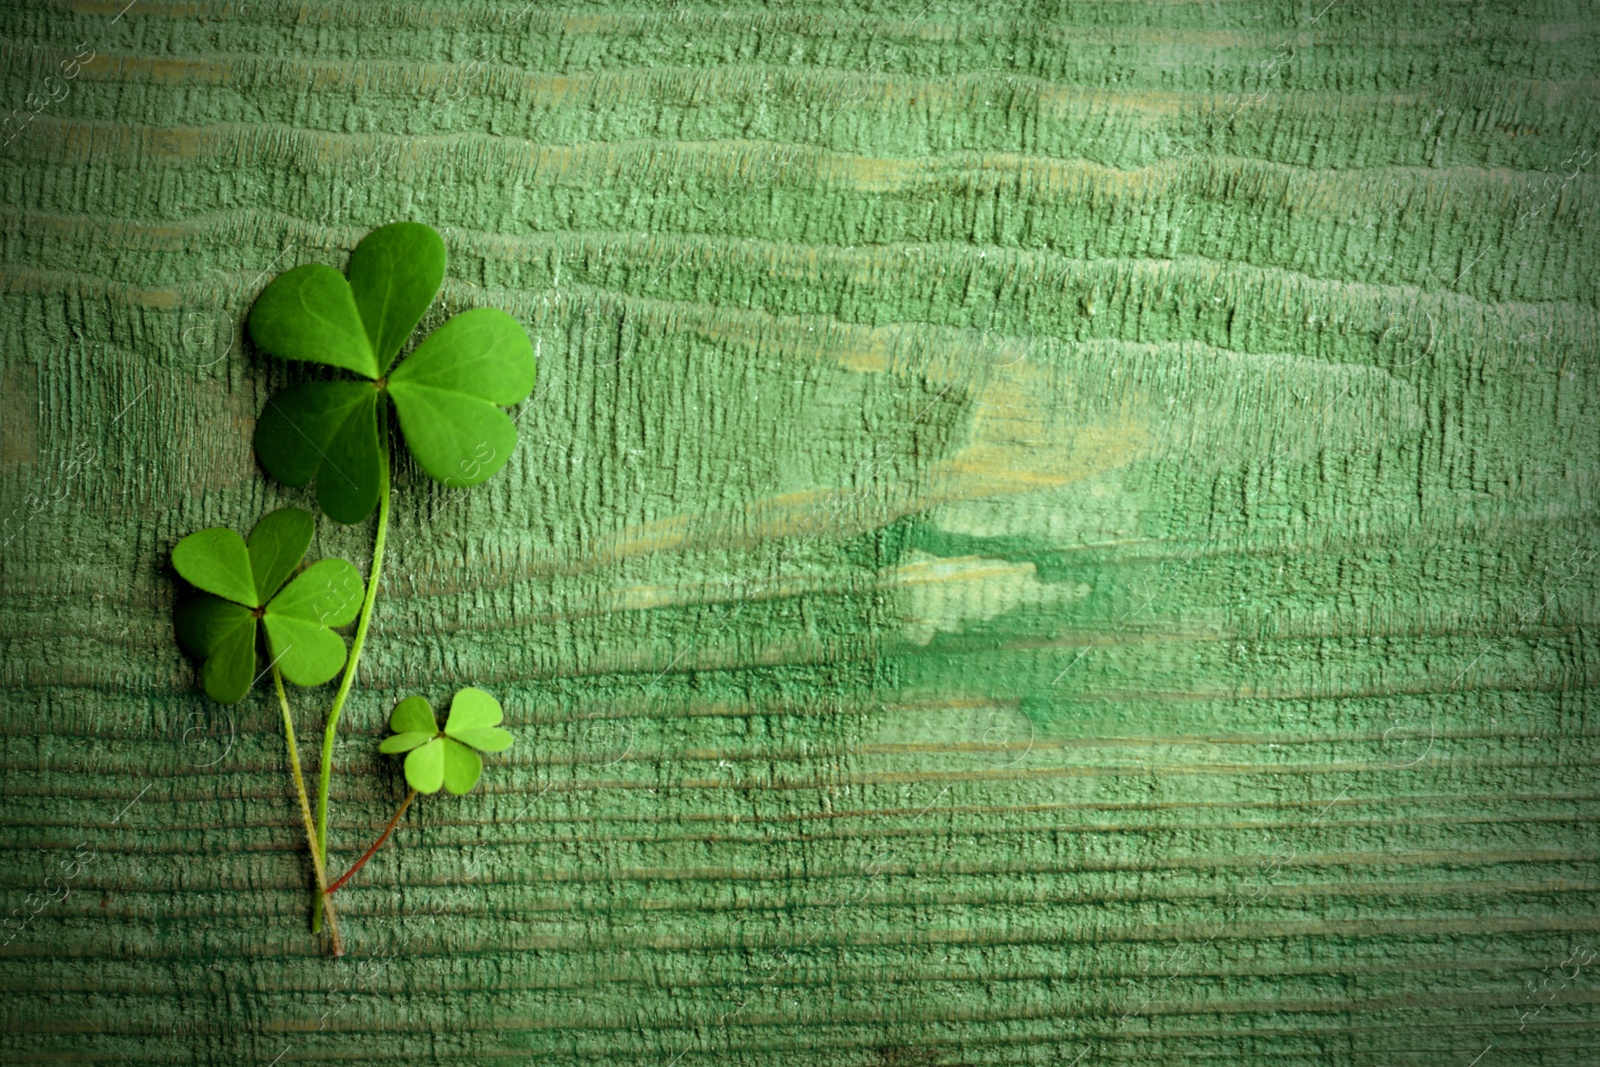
20 279
991 468
972 577
934 570
1331 194
943 595
1023 437
1018 441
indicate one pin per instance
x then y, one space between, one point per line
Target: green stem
305 814
331 730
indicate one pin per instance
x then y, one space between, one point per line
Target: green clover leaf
448 393
239 584
446 757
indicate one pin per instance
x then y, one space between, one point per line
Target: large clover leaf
239 583
446 757
448 393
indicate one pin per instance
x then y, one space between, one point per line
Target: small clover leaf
239 584
448 393
446 757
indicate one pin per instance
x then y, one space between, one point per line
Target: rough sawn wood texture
1046 534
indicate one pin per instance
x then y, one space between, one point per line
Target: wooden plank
1061 534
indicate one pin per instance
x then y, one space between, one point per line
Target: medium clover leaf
448 394
240 584
446 757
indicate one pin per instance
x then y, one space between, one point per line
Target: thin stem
305 813
387 830
330 731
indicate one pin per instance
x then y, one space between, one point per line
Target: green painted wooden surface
1046 534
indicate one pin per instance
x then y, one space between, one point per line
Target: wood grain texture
1046 534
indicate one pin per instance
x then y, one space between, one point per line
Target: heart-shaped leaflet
240 586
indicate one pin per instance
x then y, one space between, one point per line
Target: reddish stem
387 830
